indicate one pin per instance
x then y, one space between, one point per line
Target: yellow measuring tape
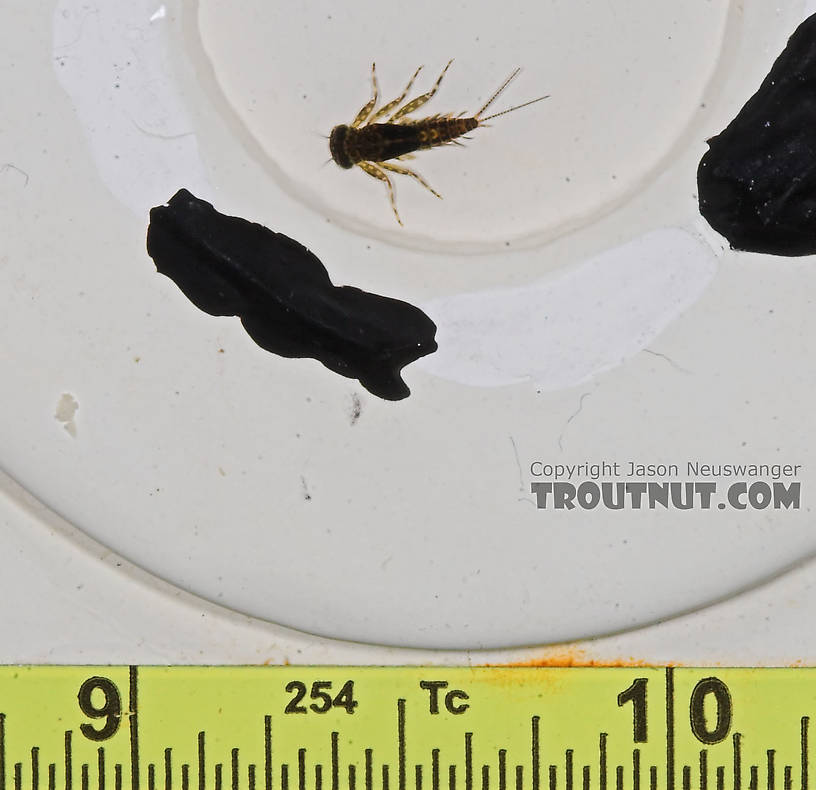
404 728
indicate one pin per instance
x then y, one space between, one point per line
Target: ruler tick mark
335 761
202 764
267 752
400 744
2 751
68 761
133 697
535 748
468 761
737 747
669 728
35 768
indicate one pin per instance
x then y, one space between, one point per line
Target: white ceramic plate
585 312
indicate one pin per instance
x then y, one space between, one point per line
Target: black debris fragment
284 297
757 181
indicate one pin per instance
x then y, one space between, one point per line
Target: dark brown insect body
370 145
379 142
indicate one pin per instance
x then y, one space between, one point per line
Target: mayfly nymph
369 144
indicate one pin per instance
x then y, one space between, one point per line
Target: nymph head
337 146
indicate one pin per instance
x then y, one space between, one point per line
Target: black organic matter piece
757 182
284 297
